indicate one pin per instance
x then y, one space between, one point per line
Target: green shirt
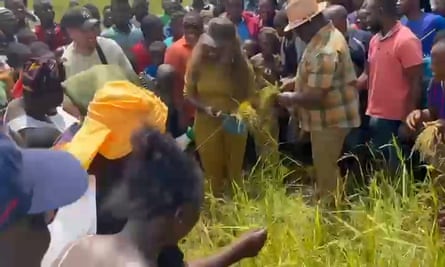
165 19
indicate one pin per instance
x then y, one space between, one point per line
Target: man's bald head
338 15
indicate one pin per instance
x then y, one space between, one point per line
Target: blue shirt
425 29
151 70
243 31
125 40
169 41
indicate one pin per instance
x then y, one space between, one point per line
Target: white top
61 121
75 62
72 223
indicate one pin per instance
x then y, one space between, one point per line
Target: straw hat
301 11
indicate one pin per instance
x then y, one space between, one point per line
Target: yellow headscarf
116 111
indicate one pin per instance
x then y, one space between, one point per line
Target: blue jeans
381 133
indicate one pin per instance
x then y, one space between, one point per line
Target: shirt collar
390 33
322 33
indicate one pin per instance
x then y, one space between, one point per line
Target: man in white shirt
87 48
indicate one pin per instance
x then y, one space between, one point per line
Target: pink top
389 94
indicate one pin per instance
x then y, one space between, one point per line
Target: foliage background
61 5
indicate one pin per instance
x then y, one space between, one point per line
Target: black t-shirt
358 41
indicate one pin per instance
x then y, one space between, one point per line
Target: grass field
61 5
385 224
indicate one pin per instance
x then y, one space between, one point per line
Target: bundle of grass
261 118
431 146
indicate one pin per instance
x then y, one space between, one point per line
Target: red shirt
141 57
54 39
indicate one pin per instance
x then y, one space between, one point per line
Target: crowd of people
119 115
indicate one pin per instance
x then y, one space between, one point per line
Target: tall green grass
387 223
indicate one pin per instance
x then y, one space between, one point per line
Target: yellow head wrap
116 111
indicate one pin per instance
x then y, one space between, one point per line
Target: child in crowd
362 17
435 110
26 36
165 82
108 20
250 48
49 31
435 95
267 68
268 59
157 51
176 27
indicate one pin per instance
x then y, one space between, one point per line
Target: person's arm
362 80
440 24
409 53
247 246
320 79
173 59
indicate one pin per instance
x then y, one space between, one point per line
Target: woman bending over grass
161 195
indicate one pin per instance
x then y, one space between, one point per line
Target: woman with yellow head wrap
102 144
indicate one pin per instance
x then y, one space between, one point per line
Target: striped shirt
327 65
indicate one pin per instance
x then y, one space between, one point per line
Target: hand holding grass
250 244
416 117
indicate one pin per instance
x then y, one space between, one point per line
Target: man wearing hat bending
323 91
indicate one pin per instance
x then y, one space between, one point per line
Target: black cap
79 18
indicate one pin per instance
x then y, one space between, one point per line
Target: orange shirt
178 55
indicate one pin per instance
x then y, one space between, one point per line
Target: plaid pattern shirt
326 65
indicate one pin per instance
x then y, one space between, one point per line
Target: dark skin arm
201 107
247 246
309 98
414 76
362 80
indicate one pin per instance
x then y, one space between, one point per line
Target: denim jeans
381 133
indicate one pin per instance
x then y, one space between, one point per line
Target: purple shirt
436 98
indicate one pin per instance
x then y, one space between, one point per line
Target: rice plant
389 222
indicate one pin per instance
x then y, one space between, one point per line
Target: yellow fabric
215 88
117 110
221 153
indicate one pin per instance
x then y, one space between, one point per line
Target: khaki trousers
327 145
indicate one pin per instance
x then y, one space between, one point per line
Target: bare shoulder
98 251
78 253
